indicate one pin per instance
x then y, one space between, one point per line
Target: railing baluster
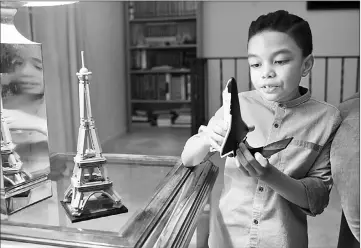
235 68
325 58
221 79
357 74
326 78
342 72
310 82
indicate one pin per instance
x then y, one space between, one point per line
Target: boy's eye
255 65
38 67
281 62
17 62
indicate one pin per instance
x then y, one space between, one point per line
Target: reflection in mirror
24 143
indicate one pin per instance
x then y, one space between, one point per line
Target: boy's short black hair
283 21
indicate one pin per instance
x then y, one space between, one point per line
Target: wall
64 31
106 45
225 30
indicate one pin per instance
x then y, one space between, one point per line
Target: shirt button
255 222
276 125
260 188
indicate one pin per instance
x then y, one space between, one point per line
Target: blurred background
148 44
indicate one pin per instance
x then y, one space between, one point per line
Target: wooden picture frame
333 5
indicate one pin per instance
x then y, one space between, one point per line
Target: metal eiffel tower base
100 206
18 188
90 194
25 194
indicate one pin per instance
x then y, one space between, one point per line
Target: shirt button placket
280 113
257 209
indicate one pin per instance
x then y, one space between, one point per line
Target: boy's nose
268 72
27 69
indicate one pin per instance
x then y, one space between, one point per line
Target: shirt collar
305 96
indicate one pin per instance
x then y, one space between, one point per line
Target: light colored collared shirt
251 214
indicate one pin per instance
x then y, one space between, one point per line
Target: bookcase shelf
160 101
181 46
164 19
171 71
161 45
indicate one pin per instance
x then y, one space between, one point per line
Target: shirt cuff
317 195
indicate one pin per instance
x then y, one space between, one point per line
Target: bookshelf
162 45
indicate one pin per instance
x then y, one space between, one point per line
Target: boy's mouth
27 83
269 88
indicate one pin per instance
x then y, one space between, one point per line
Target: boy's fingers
241 168
261 160
202 128
216 137
214 144
220 129
248 156
245 164
224 126
251 128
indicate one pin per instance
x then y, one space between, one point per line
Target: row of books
161 87
170 33
142 59
141 116
182 120
160 29
147 9
173 118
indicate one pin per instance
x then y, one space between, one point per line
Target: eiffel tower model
90 194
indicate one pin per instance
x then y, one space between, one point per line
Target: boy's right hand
215 133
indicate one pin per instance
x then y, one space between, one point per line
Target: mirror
25 159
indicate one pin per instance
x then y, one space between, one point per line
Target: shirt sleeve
217 116
318 181
194 149
345 168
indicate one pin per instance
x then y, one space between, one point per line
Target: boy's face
276 65
29 70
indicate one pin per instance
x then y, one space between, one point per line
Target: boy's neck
296 94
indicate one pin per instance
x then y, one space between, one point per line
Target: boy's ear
307 65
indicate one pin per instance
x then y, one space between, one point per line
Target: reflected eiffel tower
12 172
89 177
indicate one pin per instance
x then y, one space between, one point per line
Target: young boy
265 201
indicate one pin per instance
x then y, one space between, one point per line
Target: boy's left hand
257 166
20 120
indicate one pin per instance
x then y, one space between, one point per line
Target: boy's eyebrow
250 55
36 60
284 50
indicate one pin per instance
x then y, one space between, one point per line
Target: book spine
168 79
